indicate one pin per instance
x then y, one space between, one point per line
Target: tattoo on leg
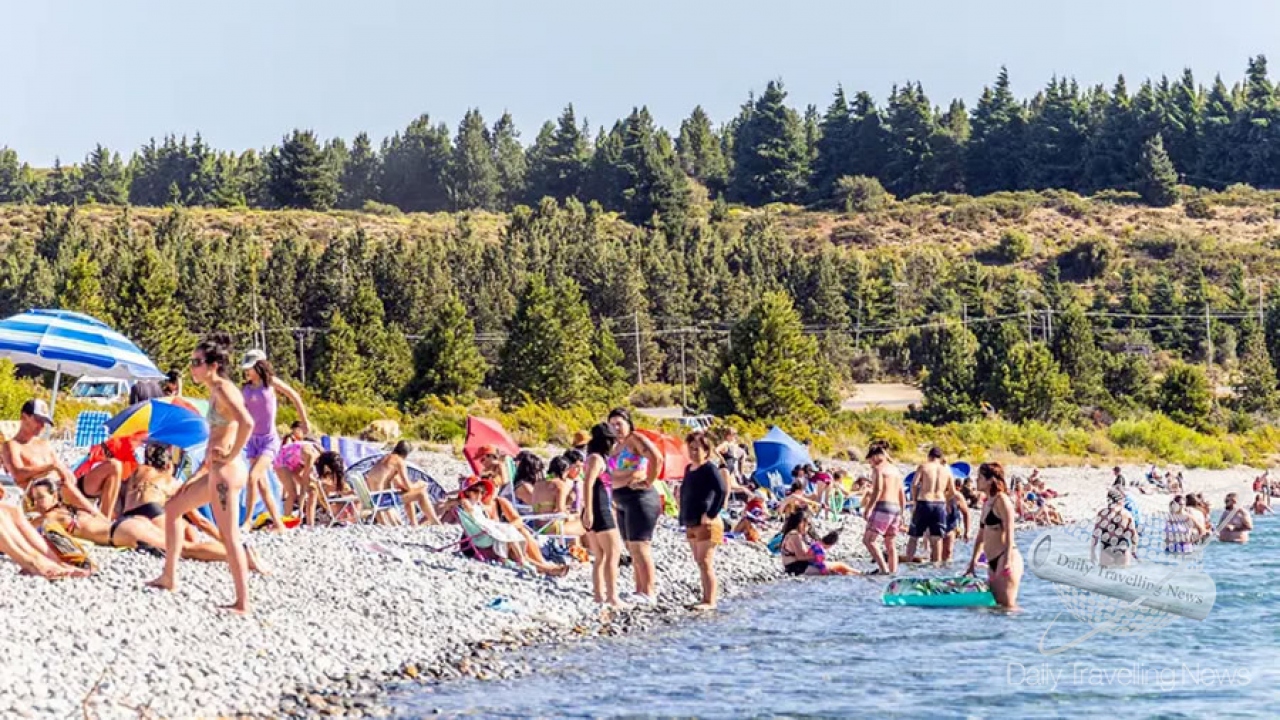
222 493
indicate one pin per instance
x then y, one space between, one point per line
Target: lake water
824 647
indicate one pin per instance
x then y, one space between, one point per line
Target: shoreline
337 624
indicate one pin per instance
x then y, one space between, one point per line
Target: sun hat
251 358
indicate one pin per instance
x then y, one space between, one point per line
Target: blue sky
243 73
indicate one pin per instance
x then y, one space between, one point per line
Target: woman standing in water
633 468
222 475
1004 562
597 517
260 398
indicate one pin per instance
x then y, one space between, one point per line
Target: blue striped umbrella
74 343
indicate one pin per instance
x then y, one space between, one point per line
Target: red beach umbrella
483 432
674 459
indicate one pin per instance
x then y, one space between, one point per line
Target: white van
101 390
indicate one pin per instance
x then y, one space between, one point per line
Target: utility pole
857 333
684 390
302 358
1048 321
1261 318
1208 343
639 373
1030 333
964 315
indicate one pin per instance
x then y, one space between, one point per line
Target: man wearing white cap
28 457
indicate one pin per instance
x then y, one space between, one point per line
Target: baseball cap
38 409
251 358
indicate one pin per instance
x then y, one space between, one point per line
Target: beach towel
68 549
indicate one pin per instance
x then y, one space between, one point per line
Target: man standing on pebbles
28 457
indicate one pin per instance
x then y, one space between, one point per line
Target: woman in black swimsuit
795 552
602 536
1004 562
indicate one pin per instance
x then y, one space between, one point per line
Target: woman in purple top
263 446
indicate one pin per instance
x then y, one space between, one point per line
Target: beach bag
68 549
775 544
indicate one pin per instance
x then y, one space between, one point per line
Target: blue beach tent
777 454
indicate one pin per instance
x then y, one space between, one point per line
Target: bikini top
214 417
991 519
627 461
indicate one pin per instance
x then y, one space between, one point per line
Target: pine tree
473 177
1258 386
835 149
26 280
870 138
300 174
701 152
774 370
1057 136
446 361
950 383
1032 386
608 359
910 162
341 375
547 357
360 174
17 181
62 186
770 158
414 167
1128 380
148 312
559 159
509 160
1077 354
997 147
1115 145
1185 396
1158 183
103 178
81 288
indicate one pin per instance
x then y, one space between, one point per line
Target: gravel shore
345 611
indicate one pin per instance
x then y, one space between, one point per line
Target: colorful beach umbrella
72 343
159 421
674 458
482 432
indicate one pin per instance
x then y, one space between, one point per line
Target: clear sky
243 72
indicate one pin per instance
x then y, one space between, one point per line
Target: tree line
566 303
1086 140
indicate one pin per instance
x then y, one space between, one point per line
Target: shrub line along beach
347 611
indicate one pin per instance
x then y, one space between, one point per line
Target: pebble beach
346 611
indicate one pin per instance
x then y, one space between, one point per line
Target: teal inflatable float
963 591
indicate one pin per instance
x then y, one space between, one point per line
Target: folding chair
486 538
91 428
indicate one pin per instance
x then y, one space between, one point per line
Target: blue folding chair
91 428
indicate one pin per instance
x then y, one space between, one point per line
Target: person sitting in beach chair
392 473
500 509
133 532
487 539
551 497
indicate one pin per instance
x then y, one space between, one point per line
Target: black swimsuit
991 520
150 511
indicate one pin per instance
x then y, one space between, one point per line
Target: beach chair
835 502
91 428
351 450
483 540
669 506
374 503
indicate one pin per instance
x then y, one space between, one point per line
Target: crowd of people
600 497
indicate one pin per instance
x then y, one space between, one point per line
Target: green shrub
969 216
654 395
1088 259
1199 208
1166 441
374 207
1118 197
862 194
1014 246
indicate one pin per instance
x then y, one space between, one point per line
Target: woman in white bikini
222 475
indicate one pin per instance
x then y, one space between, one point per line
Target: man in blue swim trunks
932 492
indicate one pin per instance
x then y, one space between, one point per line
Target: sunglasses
197 362
490 456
